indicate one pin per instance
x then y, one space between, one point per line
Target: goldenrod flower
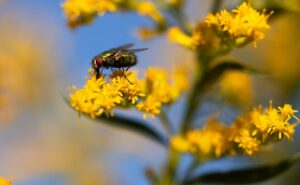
180 144
287 111
274 122
75 10
147 33
239 91
4 181
177 36
241 22
99 96
147 8
248 133
249 144
165 88
211 140
131 91
150 106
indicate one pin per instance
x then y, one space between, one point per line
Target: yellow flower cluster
176 35
98 96
243 22
84 10
162 89
247 133
147 8
238 92
211 140
4 181
273 123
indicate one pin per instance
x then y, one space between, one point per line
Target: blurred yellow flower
147 33
165 87
4 181
147 8
176 35
78 9
241 22
180 144
210 140
239 91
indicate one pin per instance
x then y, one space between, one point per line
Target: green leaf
248 175
138 126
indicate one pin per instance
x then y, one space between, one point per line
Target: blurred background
44 142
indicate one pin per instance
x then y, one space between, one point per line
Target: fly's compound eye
95 63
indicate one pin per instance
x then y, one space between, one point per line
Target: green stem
166 122
216 6
192 103
169 173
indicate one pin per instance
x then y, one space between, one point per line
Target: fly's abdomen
126 60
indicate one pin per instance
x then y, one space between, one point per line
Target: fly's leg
99 74
96 72
125 75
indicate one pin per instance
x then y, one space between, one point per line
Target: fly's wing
137 50
124 47
120 53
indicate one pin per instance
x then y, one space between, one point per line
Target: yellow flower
147 8
180 144
210 140
166 88
274 122
241 22
147 33
4 181
98 97
239 91
287 111
131 91
84 10
150 106
249 144
177 36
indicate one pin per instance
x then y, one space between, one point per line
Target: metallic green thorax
115 58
